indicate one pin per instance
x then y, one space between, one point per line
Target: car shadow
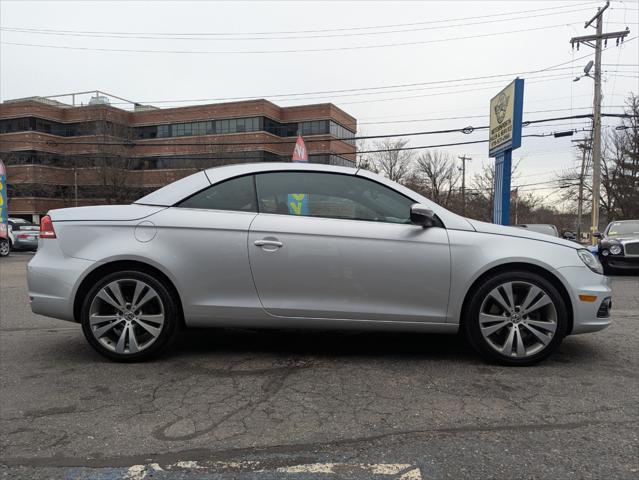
322 343
195 345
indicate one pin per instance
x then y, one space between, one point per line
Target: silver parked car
25 234
307 245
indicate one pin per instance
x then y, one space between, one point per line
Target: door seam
248 256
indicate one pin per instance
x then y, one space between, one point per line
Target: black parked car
618 246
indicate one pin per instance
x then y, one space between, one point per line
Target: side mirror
597 235
422 215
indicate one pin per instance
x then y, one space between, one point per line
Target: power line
465 130
437 94
413 120
374 119
207 37
359 89
369 27
302 96
557 67
490 85
307 50
420 147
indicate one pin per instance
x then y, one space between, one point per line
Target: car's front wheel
5 247
129 316
516 318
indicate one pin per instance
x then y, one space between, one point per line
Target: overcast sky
411 43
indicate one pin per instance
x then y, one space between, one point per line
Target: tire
119 329
5 247
521 334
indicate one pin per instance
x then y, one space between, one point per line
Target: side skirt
323 323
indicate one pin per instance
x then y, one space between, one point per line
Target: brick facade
47 171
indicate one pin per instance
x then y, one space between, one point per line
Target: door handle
268 243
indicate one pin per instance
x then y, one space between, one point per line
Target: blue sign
298 203
3 194
506 112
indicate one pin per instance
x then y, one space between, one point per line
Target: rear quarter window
236 194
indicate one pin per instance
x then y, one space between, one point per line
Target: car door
202 242
353 255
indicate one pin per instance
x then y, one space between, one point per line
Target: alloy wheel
518 319
126 316
4 248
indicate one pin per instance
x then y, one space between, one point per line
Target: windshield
618 229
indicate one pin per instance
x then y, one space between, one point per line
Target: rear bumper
21 244
52 279
582 281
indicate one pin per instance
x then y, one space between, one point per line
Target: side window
330 195
236 194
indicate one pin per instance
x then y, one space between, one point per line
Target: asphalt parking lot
251 404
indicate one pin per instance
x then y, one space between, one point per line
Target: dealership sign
506 110
505 118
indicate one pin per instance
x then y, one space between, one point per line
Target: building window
342 133
163 131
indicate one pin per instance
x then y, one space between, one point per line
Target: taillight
46 227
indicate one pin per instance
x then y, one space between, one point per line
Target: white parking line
407 471
397 471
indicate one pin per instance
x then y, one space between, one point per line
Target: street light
587 69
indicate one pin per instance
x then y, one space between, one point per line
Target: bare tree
438 175
620 173
619 193
391 160
114 173
482 192
363 159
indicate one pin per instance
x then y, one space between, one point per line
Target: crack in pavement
269 389
199 454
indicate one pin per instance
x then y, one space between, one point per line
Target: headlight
615 249
590 260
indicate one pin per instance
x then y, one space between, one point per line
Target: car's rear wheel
516 318
129 316
5 247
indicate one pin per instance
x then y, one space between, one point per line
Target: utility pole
598 38
463 158
584 146
75 183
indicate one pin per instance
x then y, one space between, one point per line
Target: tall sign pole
463 158
506 110
4 220
298 202
598 39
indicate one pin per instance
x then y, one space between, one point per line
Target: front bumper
620 262
584 283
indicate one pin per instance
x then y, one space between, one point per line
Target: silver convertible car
308 246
